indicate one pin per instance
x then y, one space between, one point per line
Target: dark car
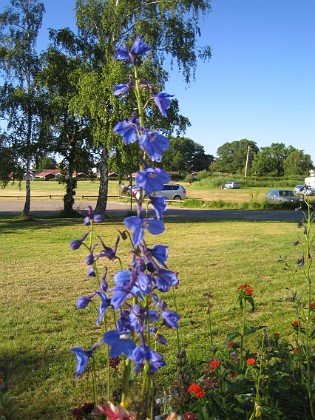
282 196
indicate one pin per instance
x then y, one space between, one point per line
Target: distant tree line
245 157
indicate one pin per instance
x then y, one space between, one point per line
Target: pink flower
115 413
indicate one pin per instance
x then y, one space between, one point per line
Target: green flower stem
93 381
210 326
108 363
138 97
125 383
177 331
308 343
243 333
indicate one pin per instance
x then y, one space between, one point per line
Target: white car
304 190
232 185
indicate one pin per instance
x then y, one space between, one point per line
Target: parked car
308 191
298 189
232 185
172 192
130 190
304 190
281 196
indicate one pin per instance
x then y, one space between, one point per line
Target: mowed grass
44 189
42 278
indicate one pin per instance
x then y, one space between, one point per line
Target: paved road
49 208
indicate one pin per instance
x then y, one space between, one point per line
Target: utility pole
247 157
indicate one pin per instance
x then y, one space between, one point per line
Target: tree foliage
185 156
232 156
279 159
21 103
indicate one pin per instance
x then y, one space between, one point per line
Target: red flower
295 324
190 416
248 289
234 375
251 361
276 335
197 390
215 364
312 305
231 344
296 351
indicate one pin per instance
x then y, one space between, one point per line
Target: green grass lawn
42 278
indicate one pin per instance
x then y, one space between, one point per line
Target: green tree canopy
297 163
270 160
21 103
185 156
232 156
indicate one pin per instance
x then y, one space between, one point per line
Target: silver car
282 196
172 192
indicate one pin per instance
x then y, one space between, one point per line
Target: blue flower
120 342
108 252
90 258
171 318
165 279
90 216
124 287
137 226
138 48
105 303
78 242
144 281
159 205
143 354
127 130
122 53
163 102
160 253
91 272
83 357
154 145
83 301
152 179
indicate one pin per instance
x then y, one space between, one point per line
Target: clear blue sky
260 82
